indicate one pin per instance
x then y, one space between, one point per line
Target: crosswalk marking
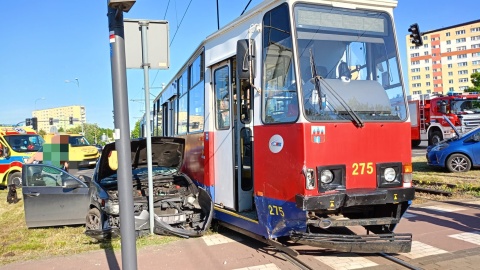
270 266
217 239
345 261
472 237
409 215
444 208
420 250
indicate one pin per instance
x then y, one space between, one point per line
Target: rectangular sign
157 43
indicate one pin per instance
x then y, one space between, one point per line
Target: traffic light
50 121
34 123
70 120
415 36
27 122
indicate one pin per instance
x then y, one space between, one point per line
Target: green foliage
475 79
93 133
136 131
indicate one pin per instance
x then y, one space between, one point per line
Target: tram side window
280 99
222 98
183 103
196 96
196 108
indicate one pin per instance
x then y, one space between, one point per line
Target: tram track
303 265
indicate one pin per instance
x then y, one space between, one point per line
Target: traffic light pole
122 135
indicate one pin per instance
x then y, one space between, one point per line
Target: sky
47 46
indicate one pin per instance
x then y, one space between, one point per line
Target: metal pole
122 137
146 65
81 115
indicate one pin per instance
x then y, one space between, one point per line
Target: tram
296 123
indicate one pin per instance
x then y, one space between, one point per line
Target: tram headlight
389 174
326 176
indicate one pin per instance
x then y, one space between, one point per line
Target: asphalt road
420 150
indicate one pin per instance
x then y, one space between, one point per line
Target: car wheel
16 179
435 138
416 143
93 220
458 163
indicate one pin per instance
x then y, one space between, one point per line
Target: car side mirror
6 152
71 183
476 137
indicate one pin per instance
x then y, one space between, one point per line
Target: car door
52 197
475 148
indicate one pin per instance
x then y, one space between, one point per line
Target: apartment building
446 59
60 117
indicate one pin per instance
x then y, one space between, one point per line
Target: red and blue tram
296 123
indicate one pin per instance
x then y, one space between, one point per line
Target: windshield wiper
356 119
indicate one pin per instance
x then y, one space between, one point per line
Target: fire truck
427 111
17 144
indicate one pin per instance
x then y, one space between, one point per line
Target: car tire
416 143
435 138
15 178
93 220
458 163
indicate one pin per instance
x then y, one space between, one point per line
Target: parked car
458 154
180 207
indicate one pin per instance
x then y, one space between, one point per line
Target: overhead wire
173 38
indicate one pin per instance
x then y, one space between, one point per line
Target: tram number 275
362 168
275 210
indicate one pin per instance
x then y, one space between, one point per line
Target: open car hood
167 152
452 126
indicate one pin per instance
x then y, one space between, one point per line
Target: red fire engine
426 113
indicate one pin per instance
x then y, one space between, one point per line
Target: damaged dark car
180 207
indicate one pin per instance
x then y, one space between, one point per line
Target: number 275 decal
275 210
362 168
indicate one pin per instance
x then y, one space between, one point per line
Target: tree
475 79
136 131
93 133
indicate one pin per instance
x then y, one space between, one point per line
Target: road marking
217 239
444 208
270 266
472 237
420 250
408 215
344 261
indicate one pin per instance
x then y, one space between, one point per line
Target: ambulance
17 145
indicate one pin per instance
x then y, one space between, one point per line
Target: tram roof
267 4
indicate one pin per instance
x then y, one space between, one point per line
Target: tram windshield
348 65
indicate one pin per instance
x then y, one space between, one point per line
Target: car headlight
389 174
440 147
326 176
112 208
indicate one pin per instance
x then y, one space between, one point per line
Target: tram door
223 140
233 140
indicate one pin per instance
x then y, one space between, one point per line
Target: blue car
458 154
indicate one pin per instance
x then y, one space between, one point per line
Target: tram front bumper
347 198
388 243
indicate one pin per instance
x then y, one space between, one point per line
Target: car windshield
140 174
465 106
353 57
78 141
25 142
